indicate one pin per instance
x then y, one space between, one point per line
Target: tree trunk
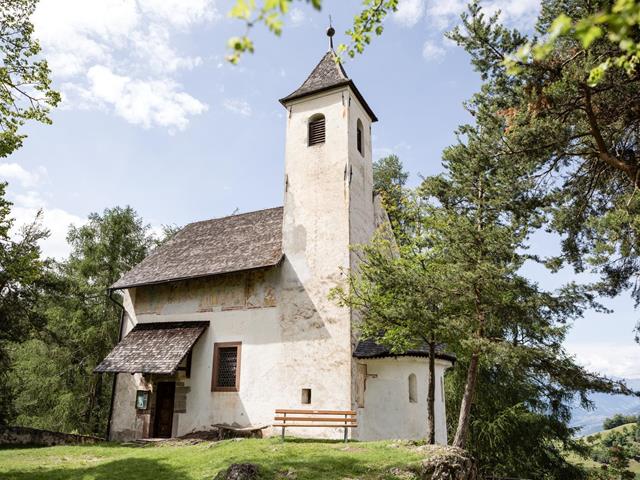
431 412
462 431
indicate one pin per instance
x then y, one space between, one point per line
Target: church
231 319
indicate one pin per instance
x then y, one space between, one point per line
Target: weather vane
330 33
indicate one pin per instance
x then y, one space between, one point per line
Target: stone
239 471
446 463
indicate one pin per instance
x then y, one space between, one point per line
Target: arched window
360 137
316 129
413 388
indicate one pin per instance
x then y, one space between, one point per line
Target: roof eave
440 356
115 286
346 83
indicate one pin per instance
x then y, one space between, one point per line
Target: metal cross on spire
330 33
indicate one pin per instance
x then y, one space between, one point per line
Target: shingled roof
222 245
153 348
327 75
369 348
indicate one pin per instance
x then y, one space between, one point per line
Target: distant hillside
603 452
606 406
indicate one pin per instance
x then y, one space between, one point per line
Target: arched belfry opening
360 137
316 129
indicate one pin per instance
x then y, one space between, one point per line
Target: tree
25 86
457 279
23 278
270 13
397 293
619 419
589 159
81 327
617 22
389 181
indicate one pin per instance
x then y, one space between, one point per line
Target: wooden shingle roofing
327 75
369 348
153 348
223 245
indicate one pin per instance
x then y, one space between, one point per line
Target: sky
154 117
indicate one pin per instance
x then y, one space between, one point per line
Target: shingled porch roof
222 245
153 348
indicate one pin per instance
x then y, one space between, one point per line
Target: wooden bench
316 418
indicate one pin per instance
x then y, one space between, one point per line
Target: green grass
302 459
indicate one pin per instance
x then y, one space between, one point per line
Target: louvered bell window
316 130
226 367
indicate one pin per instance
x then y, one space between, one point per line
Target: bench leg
346 438
283 434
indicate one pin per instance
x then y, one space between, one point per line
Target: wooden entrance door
163 421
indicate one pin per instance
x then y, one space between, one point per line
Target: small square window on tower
306 396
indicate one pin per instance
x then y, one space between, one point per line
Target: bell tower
328 205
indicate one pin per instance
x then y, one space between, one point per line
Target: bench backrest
316 418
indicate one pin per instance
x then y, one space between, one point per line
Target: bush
618 420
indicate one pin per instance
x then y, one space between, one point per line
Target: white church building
230 319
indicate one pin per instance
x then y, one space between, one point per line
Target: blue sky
153 117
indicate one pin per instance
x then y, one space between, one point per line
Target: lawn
294 459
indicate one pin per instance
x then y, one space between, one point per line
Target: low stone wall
34 436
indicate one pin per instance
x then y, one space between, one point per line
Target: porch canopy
153 348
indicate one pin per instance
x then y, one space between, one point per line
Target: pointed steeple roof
327 75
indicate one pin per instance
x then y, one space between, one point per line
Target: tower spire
330 33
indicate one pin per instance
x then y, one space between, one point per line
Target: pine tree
580 138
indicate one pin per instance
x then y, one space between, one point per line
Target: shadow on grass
315 440
321 467
26 446
318 467
129 468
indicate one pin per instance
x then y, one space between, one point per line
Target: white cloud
409 12
297 16
28 202
134 41
385 151
29 199
55 220
152 47
13 171
239 106
143 102
614 360
182 13
432 52
445 14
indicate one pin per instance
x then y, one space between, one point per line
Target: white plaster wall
316 235
387 412
280 355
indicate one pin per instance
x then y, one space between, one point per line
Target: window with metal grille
359 137
316 130
226 367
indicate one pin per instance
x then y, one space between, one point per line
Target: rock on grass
446 463
239 471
